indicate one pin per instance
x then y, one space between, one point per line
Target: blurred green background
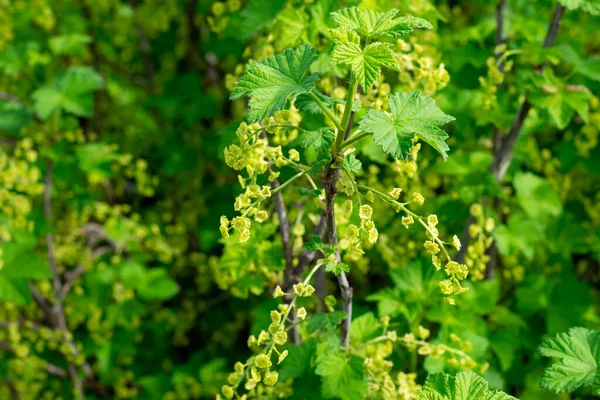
114 116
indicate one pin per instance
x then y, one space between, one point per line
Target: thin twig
308 257
71 277
50 368
10 98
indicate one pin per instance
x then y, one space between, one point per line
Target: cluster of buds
283 125
248 203
476 257
258 370
366 231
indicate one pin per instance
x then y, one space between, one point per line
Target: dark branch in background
289 274
308 257
503 158
70 278
10 98
500 39
504 146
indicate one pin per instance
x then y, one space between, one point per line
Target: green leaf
14 290
272 82
365 63
561 101
73 92
466 385
337 268
586 67
590 6
309 192
47 101
410 114
579 355
365 327
297 363
158 286
320 140
73 44
371 23
537 197
315 243
352 163
325 321
257 14
21 262
341 377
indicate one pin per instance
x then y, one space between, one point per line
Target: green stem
327 111
347 113
274 191
359 135
421 220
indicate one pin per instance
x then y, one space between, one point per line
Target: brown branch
308 257
330 181
13 390
503 146
503 158
289 278
50 368
71 277
10 98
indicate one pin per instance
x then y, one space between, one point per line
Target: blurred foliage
115 281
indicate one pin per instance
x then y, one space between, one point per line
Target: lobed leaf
272 82
466 385
371 23
410 114
578 354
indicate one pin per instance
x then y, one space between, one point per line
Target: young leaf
325 321
365 63
337 268
371 23
561 100
272 82
579 356
72 92
352 163
315 243
466 385
320 140
586 67
410 113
